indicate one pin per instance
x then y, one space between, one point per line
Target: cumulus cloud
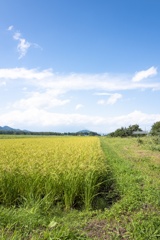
137 117
34 116
144 74
45 93
37 117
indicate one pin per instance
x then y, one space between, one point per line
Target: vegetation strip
138 210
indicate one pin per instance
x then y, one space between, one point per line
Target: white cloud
78 106
46 90
23 47
45 100
102 94
10 28
47 79
101 102
144 74
26 74
137 117
23 44
2 83
34 117
17 36
111 100
114 98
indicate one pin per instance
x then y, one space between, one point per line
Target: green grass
137 213
129 210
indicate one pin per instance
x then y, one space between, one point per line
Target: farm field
79 188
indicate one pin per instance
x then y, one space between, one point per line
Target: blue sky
79 64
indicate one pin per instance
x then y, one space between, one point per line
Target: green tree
155 129
125 132
133 128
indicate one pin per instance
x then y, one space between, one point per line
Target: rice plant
51 170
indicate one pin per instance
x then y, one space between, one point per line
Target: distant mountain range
7 128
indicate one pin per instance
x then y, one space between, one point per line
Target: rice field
48 184
65 171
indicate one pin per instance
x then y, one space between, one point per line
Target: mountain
9 129
87 132
84 131
6 128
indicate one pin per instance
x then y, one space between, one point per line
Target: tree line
14 132
120 132
129 131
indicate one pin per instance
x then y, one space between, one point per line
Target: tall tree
155 130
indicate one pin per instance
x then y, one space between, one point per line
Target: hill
9 129
87 133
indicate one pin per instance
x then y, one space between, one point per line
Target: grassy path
137 214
